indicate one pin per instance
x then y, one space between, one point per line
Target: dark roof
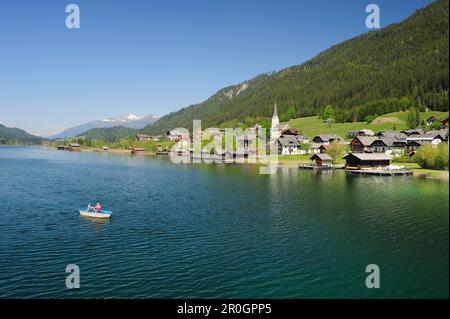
322 156
366 132
393 134
328 137
418 142
288 140
370 156
366 140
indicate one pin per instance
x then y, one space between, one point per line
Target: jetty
380 172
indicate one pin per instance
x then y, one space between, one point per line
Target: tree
290 114
336 150
369 118
417 117
432 157
328 113
411 118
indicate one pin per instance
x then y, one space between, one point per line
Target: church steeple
274 132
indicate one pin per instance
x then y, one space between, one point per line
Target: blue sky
155 57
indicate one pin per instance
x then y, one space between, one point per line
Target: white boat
100 214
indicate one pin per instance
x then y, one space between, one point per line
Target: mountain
405 64
110 134
128 121
17 136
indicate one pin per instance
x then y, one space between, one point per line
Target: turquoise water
214 231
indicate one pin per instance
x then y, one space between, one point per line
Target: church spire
275 113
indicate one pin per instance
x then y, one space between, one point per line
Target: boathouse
74 147
366 160
137 150
322 159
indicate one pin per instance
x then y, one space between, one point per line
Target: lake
215 231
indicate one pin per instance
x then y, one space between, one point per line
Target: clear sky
155 57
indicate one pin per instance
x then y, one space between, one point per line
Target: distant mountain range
109 134
403 65
130 121
10 135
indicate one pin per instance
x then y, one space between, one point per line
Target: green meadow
313 125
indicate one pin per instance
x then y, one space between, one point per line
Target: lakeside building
413 146
178 135
145 137
74 147
289 145
358 161
321 160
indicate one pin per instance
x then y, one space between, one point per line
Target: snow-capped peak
130 117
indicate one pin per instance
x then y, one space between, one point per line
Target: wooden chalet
359 161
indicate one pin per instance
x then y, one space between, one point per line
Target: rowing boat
100 214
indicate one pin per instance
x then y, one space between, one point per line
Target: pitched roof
288 140
366 140
327 137
367 132
393 134
322 156
370 156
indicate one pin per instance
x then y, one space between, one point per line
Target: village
366 152
359 152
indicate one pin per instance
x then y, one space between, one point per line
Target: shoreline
282 163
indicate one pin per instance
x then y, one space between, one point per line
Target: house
352 134
392 134
74 147
362 144
327 139
288 145
388 145
366 160
322 160
143 137
302 139
315 148
439 134
247 144
323 148
365 132
291 131
434 137
413 146
429 121
178 135
412 132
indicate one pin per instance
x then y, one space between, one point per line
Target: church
277 128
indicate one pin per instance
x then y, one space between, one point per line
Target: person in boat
98 207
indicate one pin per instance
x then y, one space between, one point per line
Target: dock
380 172
319 167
